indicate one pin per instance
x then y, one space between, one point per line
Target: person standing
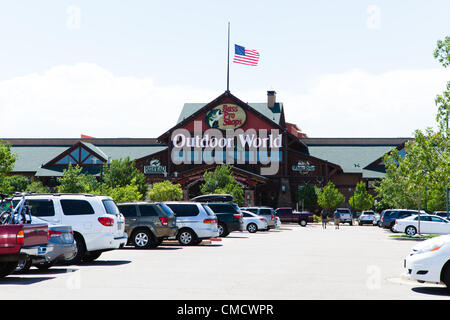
337 219
324 216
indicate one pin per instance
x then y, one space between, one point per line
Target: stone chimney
271 99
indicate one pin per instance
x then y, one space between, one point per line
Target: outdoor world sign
226 116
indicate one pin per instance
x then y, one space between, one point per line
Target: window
223 208
128 210
265 211
284 211
254 210
208 210
166 209
184 210
110 207
423 218
247 215
437 219
76 207
41 208
148 210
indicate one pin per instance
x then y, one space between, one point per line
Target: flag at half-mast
245 56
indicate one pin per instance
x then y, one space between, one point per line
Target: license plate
42 250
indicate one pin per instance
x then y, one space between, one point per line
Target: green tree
18 183
165 191
121 173
307 195
222 181
37 187
126 193
73 181
7 162
361 200
330 198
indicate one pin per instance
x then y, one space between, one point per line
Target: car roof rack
214 198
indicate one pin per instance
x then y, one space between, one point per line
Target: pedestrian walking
324 216
337 219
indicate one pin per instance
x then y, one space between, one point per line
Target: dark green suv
229 215
148 224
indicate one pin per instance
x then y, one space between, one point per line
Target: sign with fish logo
226 116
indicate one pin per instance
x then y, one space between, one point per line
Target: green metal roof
352 159
273 114
31 158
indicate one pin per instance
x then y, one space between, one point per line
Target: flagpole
228 62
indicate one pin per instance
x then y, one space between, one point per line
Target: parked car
228 213
346 215
429 261
442 214
366 217
148 224
195 221
229 216
97 224
389 216
377 220
429 224
277 222
253 222
287 214
266 212
61 247
19 242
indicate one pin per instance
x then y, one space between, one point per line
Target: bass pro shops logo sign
226 116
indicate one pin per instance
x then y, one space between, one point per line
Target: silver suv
266 212
345 215
195 221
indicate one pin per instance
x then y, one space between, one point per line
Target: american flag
245 56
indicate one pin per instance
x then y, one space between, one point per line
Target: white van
195 221
96 222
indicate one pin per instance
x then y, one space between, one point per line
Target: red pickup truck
20 241
290 215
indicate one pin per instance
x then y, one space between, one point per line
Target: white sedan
429 224
429 261
253 222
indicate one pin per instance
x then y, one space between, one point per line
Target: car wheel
186 237
144 239
410 231
6 268
446 276
79 251
252 228
91 256
303 223
223 231
23 266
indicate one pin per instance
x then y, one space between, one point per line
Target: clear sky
125 68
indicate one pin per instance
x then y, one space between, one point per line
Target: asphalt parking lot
354 262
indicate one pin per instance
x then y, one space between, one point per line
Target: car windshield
343 210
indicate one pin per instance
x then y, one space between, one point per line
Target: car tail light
382 219
20 237
164 221
271 218
262 219
53 233
237 216
210 221
107 222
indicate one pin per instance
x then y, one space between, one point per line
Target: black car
229 215
388 217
